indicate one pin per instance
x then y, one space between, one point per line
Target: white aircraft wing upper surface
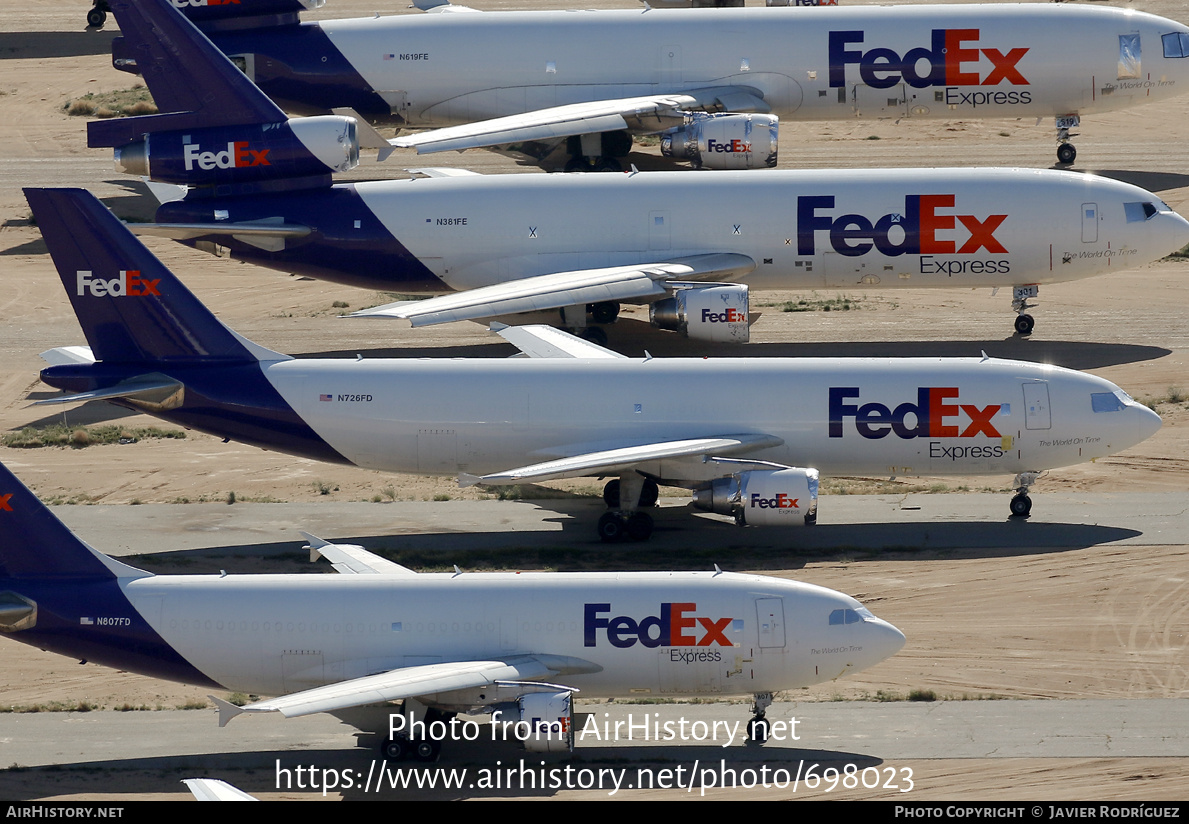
539 341
615 283
611 461
409 682
651 113
352 558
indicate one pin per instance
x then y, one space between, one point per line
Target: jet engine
240 154
542 721
715 312
764 497
724 141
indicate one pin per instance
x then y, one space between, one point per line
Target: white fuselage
804 229
438 416
962 61
277 634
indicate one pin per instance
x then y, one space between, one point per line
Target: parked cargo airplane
517 645
513 243
711 84
747 436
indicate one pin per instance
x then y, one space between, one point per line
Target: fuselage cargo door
871 102
1036 405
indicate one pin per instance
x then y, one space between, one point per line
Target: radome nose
1144 423
1173 231
886 640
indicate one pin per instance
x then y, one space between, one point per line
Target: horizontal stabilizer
212 789
189 231
539 341
352 558
410 682
612 461
154 388
615 283
63 355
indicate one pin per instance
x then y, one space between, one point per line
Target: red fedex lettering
1005 67
714 632
677 623
982 234
4 502
955 56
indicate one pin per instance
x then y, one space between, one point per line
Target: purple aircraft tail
132 308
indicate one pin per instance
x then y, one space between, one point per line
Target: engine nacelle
764 497
542 721
241 154
715 312
724 141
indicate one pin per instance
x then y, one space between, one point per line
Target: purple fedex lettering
672 628
948 62
930 412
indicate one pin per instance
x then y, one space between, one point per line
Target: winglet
227 710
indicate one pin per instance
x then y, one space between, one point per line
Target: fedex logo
730 147
934 415
129 283
921 229
948 61
729 316
674 627
236 156
781 501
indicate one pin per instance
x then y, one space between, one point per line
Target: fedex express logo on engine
676 626
927 226
727 316
236 156
951 59
934 415
729 147
129 283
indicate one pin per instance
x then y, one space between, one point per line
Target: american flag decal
326 397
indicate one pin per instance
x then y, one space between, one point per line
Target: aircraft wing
651 113
614 283
212 789
409 682
612 461
352 558
539 341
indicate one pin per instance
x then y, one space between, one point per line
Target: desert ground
1122 613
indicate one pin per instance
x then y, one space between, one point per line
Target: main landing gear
1019 303
598 152
404 748
97 16
624 521
757 727
604 313
1066 152
1021 504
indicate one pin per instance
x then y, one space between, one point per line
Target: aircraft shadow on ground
257 773
42 45
89 414
685 544
1152 181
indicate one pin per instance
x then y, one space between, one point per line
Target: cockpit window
1109 401
1139 212
1130 67
1176 44
850 616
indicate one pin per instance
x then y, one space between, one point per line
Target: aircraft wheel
650 493
96 18
611 494
1066 153
612 528
757 729
577 164
605 312
640 526
395 749
595 335
427 751
1021 506
1024 324
608 164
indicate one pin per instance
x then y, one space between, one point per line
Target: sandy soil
1122 621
